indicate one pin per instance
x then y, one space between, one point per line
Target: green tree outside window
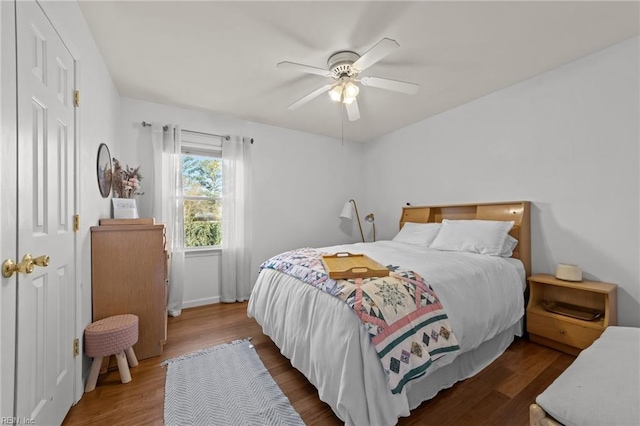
202 191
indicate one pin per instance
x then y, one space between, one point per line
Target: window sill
202 251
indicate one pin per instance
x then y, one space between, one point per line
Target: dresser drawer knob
561 331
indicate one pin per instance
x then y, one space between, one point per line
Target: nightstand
569 334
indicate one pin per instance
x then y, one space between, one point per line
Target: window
202 194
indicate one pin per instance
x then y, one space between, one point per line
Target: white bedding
602 386
482 295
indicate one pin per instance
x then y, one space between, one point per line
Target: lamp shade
351 90
336 93
348 100
347 211
372 220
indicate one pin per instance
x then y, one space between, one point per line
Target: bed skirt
348 375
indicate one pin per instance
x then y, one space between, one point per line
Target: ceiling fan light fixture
348 100
351 90
345 68
336 93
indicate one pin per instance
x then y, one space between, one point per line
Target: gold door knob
9 267
26 266
41 261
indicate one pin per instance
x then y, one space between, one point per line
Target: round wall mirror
104 170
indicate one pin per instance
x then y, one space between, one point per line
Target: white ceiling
221 56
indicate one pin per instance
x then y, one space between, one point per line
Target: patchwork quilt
402 314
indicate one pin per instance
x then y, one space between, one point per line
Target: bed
482 295
601 387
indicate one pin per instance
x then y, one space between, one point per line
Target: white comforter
482 295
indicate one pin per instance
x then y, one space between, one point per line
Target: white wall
300 182
567 140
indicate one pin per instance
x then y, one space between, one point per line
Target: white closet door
46 297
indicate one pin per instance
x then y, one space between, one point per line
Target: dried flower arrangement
126 181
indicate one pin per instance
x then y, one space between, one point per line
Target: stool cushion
111 335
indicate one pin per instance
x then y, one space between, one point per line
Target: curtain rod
148 124
165 128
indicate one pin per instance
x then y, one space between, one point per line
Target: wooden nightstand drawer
571 334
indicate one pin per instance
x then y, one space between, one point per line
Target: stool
111 336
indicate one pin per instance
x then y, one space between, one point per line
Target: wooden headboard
517 211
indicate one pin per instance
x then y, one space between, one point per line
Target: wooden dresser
129 276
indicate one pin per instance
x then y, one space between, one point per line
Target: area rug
224 385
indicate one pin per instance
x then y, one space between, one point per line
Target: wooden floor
499 395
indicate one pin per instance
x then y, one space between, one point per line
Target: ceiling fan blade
353 112
311 96
377 52
395 85
304 68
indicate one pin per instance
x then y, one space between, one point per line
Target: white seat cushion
602 386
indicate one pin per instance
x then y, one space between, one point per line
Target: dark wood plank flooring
499 395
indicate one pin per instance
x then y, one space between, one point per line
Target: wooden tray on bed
345 265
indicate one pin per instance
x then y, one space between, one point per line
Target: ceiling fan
345 68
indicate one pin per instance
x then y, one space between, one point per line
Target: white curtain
167 205
236 219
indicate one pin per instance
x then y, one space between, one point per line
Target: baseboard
200 302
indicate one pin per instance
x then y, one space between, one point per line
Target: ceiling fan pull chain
343 111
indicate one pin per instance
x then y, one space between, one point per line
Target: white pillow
418 233
474 236
510 243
